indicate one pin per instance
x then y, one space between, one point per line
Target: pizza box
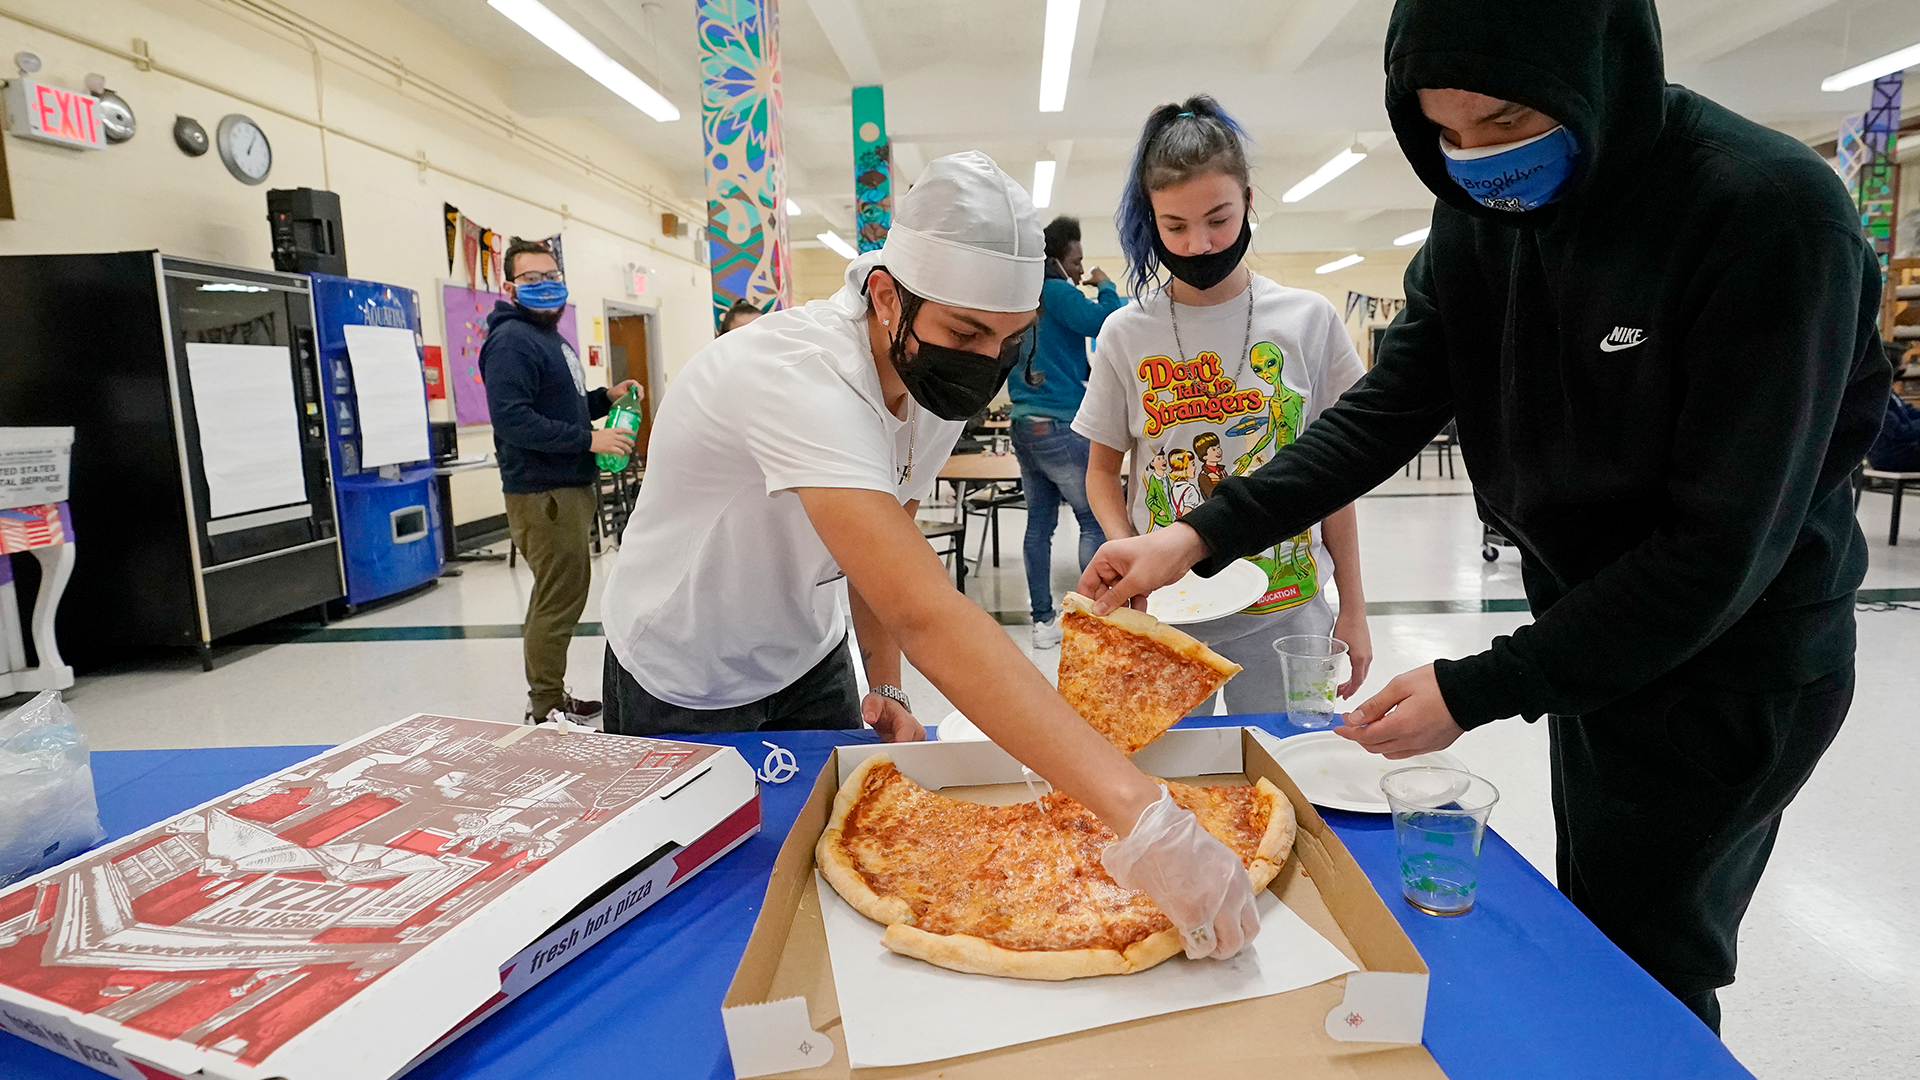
350 915
782 1015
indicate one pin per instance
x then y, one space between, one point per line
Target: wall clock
244 148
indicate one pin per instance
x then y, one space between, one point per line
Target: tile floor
1830 968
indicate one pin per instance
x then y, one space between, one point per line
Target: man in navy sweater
544 436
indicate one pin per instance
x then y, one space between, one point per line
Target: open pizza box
783 1015
350 915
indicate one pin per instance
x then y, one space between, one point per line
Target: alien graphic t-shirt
1217 403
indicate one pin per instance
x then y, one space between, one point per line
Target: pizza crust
838 868
1144 625
976 955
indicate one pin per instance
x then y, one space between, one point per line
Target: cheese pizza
1019 891
1129 674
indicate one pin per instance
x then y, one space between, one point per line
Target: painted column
740 113
872 167
1877 191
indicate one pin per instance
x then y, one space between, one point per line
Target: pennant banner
470 245
1375 307
452 215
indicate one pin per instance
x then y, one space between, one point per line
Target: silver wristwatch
888 690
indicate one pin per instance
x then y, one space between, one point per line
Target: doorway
629 357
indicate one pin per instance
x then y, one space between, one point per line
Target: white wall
397 143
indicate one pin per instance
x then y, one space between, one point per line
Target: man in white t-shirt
783 470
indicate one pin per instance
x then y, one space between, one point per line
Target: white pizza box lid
360 909
781 1013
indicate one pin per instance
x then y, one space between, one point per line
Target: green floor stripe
310 634
1445 607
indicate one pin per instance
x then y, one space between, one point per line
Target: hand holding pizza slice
1130 675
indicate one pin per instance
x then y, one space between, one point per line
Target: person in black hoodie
543 435
1656 329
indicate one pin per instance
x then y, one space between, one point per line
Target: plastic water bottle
624 416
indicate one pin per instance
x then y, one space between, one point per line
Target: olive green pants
552 530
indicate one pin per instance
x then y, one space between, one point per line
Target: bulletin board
466 312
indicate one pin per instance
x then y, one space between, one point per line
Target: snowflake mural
746 184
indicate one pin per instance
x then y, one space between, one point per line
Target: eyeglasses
532 276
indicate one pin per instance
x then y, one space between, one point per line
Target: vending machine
367 337
201 494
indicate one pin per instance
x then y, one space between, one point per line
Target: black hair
1060 232
1179 142
739 308
517 247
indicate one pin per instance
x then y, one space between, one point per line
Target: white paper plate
957 728
1195 599
1337 773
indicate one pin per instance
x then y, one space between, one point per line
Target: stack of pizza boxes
352 914
783 1013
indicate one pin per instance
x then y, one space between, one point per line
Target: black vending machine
201 496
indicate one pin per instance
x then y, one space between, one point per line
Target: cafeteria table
1523 986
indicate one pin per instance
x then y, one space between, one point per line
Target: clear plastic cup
1312 667
1439 821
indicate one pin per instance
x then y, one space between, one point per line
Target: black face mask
1205 271
953 384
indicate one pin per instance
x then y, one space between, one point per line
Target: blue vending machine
390 513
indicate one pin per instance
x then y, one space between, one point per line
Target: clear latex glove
1200 884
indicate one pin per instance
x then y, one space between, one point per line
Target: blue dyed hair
1178 143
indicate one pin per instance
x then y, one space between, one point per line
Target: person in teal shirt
1046 395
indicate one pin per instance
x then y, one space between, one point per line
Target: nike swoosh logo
1609 346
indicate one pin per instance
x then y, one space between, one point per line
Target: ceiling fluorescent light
1043 183
1873 69
1320 177
793 208
840 247
1414 237
1056 53
1339 264
553 32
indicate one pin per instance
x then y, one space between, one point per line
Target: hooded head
1593 65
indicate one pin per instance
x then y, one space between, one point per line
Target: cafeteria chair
953 534
987 502
1442 447
1867 479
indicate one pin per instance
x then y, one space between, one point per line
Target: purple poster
466 311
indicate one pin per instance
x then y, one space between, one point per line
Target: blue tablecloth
1523 986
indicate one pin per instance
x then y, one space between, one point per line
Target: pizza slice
1130 675
1019 891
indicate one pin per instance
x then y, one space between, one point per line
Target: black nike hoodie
1662 380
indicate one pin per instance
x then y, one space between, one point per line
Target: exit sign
37 110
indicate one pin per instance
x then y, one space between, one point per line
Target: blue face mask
541 295
1514 176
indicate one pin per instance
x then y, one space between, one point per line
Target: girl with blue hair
1217 355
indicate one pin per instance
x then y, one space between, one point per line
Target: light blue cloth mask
541 295
1517 176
